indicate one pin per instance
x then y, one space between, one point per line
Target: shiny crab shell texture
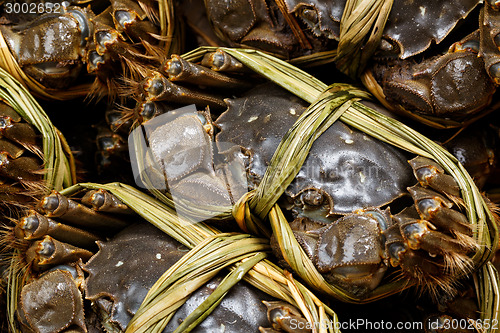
342 201
107 44
125 268
98 43
413 25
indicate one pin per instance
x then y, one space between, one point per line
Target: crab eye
312 198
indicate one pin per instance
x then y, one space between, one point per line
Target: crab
343 198
442 91
53 239
81 281
125 43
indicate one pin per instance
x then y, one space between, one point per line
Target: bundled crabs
356 239
405 73
364 212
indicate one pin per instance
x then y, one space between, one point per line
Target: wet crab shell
345 168
125 268
411 28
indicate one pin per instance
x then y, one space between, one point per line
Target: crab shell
345 169
126 267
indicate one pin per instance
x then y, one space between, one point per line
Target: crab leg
103 201
222 61
159 88
11 149
420 234
181 70
490 39
49 252
129 17
284 316
21 133
36 226
429 173
22 168
148 109
437 209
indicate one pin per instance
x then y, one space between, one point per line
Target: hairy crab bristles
121 118
135 70
129 88
151 11
118 41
